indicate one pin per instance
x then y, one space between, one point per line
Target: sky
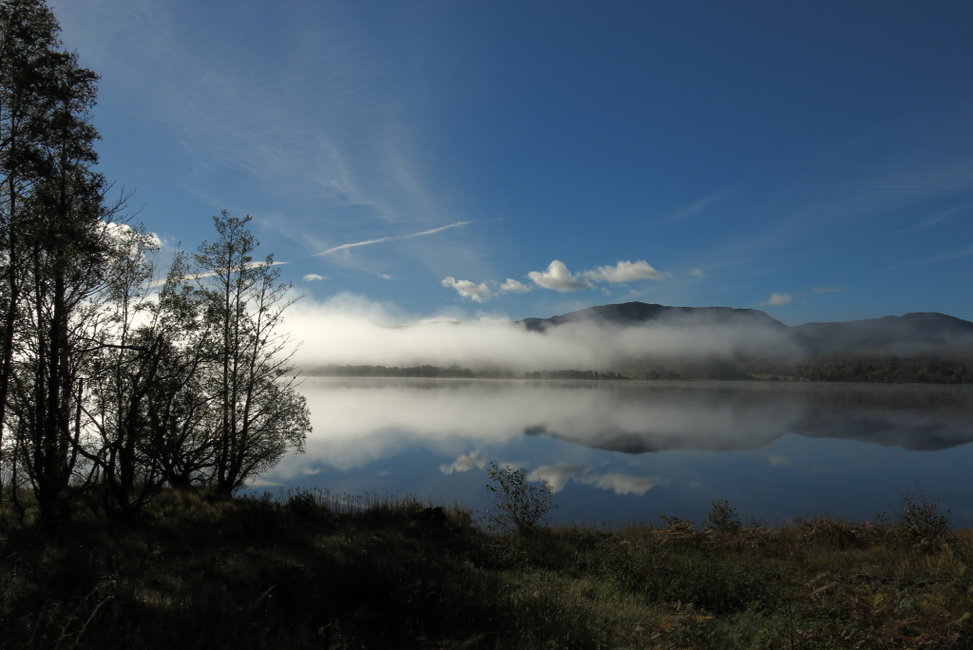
491 160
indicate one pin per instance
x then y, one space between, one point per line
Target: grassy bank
317 572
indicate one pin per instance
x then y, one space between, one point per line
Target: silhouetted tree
124 366
261 414
54 242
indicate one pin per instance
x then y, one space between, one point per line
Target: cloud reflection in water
597 434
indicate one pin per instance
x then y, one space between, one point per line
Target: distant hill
636 340
630 314
909 334
915 347
903 335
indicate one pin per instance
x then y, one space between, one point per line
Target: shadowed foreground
316 572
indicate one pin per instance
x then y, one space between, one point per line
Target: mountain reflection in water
431 437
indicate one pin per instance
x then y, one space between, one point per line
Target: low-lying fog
351 331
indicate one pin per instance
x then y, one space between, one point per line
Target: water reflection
586 438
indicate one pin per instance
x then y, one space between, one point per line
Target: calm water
623 451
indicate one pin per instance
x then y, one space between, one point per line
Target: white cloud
468 289
313 277
124 235
557 475
384 276
464 463
697 273
557 277
625 271
777 299
513 286
622 483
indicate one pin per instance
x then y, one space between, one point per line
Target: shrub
922 518
723 518
518 504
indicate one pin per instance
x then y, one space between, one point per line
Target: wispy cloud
367 242
382 240
948 257
325 136
313 277
699 206
816 221
433 231
209 274
939 217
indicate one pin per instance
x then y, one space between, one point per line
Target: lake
617 452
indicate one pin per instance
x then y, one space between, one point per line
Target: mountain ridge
630 313
910 333
636 340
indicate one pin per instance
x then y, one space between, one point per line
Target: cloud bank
349 330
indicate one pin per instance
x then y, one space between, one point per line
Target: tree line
113 384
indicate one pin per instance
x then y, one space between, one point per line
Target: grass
312 570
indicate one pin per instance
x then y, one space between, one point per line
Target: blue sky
511 159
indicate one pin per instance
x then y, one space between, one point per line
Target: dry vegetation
314 571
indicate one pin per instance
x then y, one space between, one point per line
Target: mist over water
617 451
620 450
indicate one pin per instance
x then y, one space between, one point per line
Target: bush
518 504
922 518
722 518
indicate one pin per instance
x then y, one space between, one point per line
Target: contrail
195 276
382 240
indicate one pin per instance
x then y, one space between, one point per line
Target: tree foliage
261 416
109 384
518 505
